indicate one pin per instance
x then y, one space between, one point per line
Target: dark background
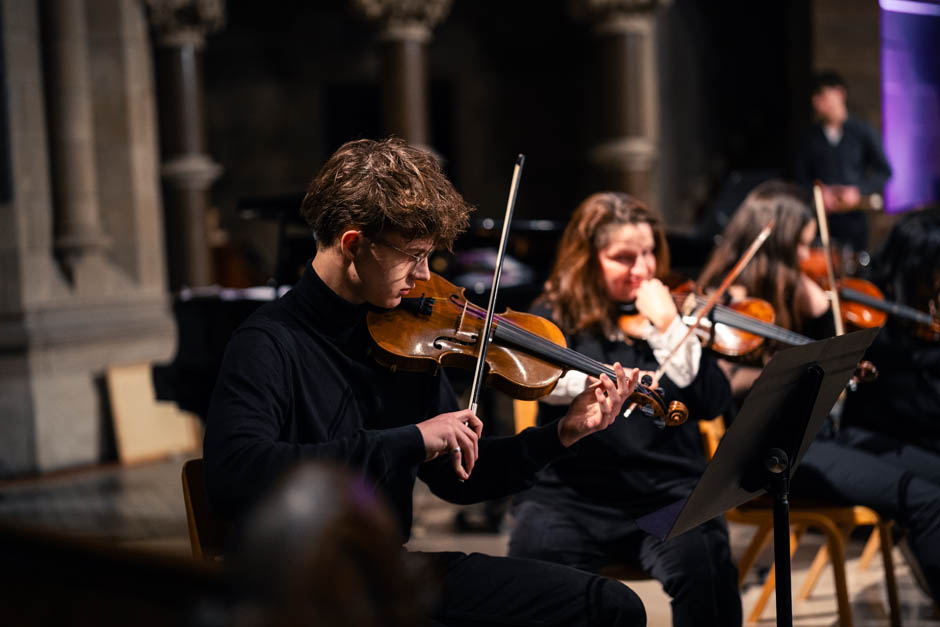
288 82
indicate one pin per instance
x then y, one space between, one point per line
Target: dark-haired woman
848 464
904 402
581 510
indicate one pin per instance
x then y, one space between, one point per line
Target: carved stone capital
193 171
185 22
613 11
625 153
405 19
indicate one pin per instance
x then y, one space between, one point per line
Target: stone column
405 27
71 130
626 151
180 27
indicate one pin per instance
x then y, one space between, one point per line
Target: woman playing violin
848 465
580 510
904 402
298 382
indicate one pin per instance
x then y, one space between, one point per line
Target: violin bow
710 303
830 273
491 308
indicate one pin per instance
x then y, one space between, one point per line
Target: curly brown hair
575 289
384 186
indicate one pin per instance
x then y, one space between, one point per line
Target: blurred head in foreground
323 549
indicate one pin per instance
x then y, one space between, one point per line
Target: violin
526 356
735 331
864 304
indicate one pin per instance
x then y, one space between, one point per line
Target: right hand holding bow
457 434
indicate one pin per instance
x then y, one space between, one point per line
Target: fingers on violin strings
604 403
634 380
622 380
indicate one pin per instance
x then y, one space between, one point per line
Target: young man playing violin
581 510
846 464
298 382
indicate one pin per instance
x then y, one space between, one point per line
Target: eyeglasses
415 259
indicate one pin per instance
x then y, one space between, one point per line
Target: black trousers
695 568
482 590
898 480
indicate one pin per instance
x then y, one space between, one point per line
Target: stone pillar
626 151
81 132
405 27
71 131
180 27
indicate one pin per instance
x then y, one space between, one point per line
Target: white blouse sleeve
568 386
683 367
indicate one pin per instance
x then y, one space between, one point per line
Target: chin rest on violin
735 331
525 358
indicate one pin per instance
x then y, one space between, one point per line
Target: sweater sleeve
505 466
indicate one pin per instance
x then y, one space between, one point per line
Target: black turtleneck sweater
297 382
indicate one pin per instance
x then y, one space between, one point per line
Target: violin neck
897 309
763 329
538 346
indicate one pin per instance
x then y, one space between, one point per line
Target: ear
351 243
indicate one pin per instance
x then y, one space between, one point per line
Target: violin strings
509 331
733 318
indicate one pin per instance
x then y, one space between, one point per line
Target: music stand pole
778 464
785 446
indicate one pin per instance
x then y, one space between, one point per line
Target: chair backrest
712 431
206 534
524 414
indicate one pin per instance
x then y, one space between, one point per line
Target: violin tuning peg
661 391
646 379
660 423
648 411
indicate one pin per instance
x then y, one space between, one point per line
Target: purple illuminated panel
910 101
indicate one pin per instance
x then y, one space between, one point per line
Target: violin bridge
688 305
460 318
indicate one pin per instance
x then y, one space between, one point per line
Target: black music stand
769 436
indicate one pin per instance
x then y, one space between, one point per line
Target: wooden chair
206 534
836 523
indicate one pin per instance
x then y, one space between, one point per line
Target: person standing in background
844 154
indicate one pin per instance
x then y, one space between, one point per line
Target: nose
422 270
640 269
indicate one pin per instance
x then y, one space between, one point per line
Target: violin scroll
652 404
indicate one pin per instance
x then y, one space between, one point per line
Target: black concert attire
297 383
581 509
850 464
856 159
904 401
